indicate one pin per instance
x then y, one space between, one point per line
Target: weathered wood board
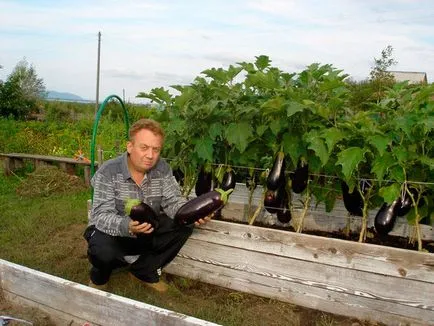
365 281
70 303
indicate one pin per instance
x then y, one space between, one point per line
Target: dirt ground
32 315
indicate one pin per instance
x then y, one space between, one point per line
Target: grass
43 230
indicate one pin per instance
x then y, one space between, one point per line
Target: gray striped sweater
113 185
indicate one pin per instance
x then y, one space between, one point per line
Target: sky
147 44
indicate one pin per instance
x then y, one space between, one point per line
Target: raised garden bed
367 281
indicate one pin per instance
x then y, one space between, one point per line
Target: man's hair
147 124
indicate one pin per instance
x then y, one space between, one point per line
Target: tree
380 77
21 92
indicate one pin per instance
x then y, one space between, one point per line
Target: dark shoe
102 287
159 286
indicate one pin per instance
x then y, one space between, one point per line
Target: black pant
106 252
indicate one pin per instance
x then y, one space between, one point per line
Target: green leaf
294 146
273 104
380 143
204 148
262 62
396 173
294 107
215 130
427 161
187 94
275 127
261 129
317 145
401 154
381 165
332 136
239 134
349 159
390 193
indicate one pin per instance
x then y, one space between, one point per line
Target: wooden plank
316 219
406 292
267 268
307 295
67 167
45 158
335 252
73 301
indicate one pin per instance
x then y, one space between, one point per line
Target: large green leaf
293 107
401 154
294 146
204 148
332 136
390 193
396 173
380 142
239 134
261 129
318 146
272 105
381 165
262 62
215 130
349 159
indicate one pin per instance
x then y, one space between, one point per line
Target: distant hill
63 96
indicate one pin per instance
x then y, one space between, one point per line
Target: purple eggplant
406 203
300 177
273 200
142 212
284 213
204 182
386 217
228 181
353 202
202 206
276 177
179 176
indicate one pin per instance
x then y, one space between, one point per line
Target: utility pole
97 73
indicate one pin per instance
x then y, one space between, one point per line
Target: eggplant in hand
204 182
276 177
386 217
202 206
141 212
300 177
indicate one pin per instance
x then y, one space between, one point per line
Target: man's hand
204 220
135 227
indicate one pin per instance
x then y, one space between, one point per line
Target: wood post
87 175
67 167
100 154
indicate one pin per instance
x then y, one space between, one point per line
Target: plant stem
258 209
362 236
305 209
416 220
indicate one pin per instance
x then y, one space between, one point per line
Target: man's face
144 150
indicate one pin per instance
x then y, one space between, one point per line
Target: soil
32 315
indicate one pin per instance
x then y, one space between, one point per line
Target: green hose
95 128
